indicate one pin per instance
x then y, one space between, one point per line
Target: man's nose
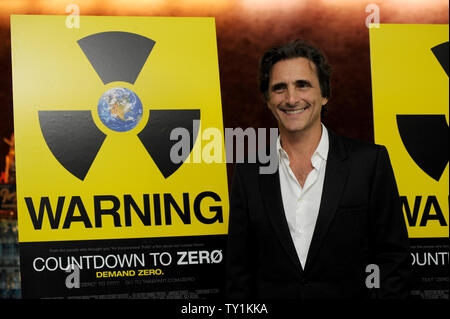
291 96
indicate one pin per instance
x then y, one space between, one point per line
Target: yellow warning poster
410 81
98 109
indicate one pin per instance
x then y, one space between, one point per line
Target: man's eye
303 84
278 89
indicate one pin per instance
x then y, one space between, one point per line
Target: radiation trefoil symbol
73 137
425 136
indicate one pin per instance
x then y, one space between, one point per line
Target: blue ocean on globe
120 109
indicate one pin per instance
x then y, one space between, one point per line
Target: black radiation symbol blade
426 139
117 56
441 52
73 138
156 136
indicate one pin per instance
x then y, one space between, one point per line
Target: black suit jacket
360 222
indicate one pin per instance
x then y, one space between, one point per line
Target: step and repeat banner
104 210
410 81
109 207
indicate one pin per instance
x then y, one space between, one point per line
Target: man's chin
296 129
292 129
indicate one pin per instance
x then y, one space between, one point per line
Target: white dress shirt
301 204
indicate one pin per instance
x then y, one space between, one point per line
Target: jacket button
303 281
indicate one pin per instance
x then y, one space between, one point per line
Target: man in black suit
330 216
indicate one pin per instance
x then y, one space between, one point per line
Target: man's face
294 95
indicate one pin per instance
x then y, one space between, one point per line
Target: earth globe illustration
120 109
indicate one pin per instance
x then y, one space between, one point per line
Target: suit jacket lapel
336 174
271 194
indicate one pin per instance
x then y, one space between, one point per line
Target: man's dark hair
295 49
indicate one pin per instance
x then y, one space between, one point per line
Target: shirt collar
321 150
281 152
323 147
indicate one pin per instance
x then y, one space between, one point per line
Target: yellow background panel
51 72
407 79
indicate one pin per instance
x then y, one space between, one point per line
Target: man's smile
290 111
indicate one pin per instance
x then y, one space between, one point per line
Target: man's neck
300 146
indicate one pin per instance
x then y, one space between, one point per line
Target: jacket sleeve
239 270
388 234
